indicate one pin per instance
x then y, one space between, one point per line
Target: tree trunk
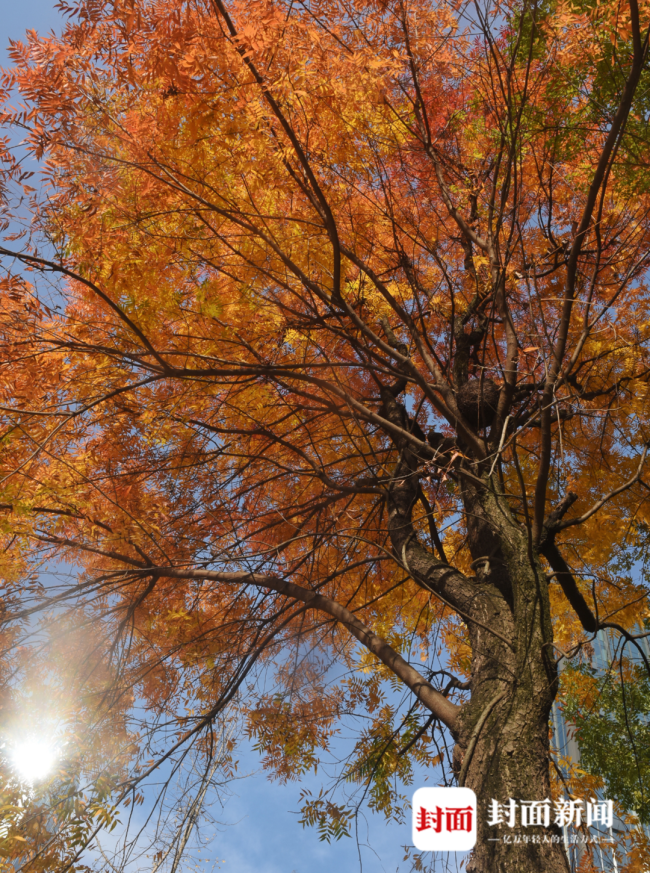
502 733
503 739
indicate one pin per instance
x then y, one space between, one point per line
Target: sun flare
33 759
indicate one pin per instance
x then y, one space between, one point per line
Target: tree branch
569 585
433 700
562 525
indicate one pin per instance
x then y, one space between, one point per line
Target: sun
33 759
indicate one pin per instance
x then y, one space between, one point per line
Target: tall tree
348 361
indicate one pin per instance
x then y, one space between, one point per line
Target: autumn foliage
324 394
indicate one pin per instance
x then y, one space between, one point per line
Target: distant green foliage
612 723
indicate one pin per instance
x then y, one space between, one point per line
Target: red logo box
444 819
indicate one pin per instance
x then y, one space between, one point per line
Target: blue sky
261 833
21 15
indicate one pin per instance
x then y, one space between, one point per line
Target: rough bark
510 757
502 734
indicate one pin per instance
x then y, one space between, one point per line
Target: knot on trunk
477 402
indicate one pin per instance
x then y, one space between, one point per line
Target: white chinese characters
540 813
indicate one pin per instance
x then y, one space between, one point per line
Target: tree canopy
324 376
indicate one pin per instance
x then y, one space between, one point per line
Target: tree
611 729
348 360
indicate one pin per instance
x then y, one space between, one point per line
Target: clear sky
21 15
261 832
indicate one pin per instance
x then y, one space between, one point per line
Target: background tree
612 729
348 363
